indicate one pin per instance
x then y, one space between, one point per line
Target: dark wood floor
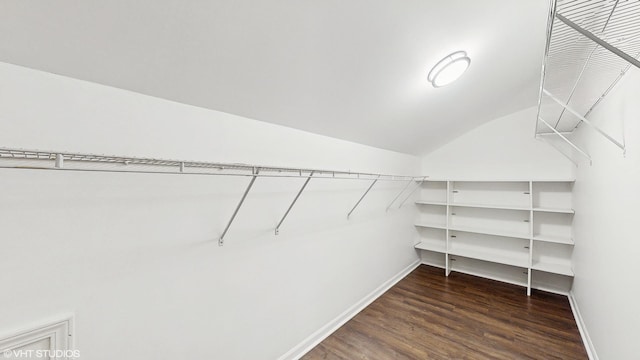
429 316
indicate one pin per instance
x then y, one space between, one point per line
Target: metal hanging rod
57 160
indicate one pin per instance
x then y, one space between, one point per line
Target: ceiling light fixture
449 69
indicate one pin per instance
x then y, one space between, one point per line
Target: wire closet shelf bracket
66 161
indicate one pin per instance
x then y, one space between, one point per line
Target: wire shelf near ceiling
578 71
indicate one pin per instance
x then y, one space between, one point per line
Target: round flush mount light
449 69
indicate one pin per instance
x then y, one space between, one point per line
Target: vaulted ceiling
354 70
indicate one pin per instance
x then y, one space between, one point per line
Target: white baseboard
591 351
314 339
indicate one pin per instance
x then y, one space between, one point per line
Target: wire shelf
53 160
60 161
577 70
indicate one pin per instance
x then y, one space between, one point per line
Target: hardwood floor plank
429 316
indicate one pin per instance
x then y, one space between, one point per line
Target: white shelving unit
517 231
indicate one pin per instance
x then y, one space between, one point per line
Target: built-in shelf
434 246
491 206
428 202
498 229
476 230
491 257
551 282
554 239
482 206
560 269
432 226
500 272
493 232
552 210
495 206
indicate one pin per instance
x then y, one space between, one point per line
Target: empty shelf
433 226
428 202
554 239
561 269
495 258
554 210
431 246
490 206
489 232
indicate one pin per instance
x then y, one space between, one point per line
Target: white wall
501 149
135 256
607 204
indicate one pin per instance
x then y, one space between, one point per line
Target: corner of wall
582 327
